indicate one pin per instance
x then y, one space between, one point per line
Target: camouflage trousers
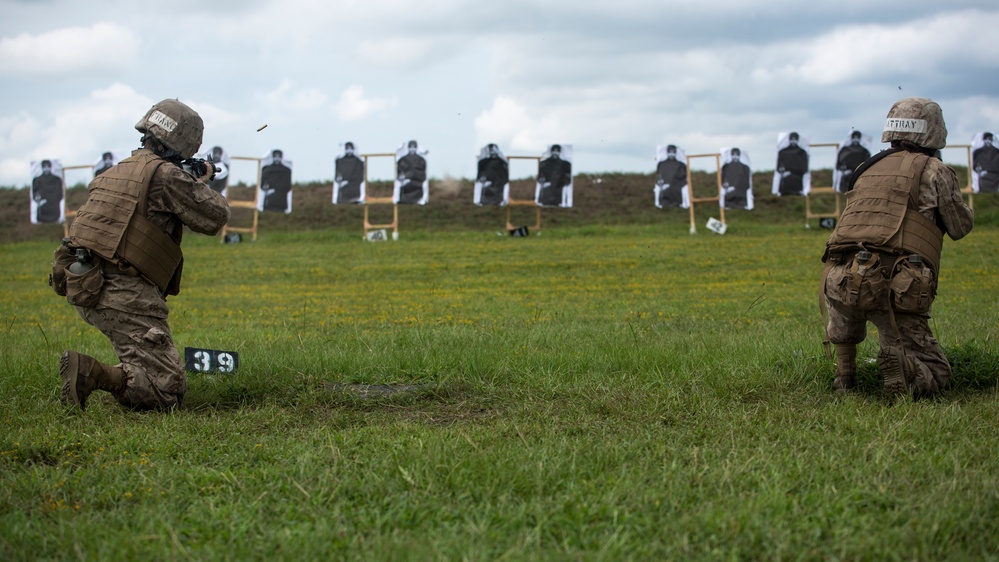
154 372
849 325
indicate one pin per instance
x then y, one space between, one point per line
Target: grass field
597 393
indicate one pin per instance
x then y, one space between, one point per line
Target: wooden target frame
967 189
244 203
823 190
695 200
369 200
70 214
511 202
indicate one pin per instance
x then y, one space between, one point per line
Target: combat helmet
916 120
175 125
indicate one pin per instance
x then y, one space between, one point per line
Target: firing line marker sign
197 360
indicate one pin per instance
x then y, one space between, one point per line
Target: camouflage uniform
130 228
926 369
132 312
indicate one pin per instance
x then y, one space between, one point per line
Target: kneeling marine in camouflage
123 258
883 259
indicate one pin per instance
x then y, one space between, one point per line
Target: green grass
600 392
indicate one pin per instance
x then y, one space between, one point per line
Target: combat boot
924 385
896 369
82 374
846 367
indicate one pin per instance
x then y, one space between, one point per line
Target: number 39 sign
210 360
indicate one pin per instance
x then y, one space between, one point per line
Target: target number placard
716 226
199 360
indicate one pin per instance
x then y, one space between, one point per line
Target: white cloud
613 79
79 131
15 172
502 121
394 51
859 52
18 130
288 96
216 117
519 131
104 121
76 134
408 51
70 50
615 106
969 116
353 106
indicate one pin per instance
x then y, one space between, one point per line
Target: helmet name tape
905 125
161 119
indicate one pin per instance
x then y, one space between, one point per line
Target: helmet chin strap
159 149
913 147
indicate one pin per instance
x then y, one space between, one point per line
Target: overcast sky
612 78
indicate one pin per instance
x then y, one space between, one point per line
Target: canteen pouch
84 289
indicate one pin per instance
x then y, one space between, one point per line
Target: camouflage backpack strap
867 164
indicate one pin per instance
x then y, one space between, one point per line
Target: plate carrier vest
113 224
881 212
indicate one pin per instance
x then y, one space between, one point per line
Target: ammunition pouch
912 287
859 286
84 289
